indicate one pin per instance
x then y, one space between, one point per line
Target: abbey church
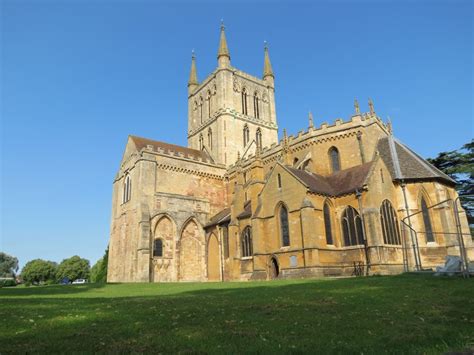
238 203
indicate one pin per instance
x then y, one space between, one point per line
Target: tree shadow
345 315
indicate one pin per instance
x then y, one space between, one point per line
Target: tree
73 268
99 270
38 270
459 165
8 265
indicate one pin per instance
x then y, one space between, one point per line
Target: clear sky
79 76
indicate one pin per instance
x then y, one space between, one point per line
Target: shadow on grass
370 315
48 290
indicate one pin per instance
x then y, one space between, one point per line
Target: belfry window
256 110
209 103
158 248
327 224
284 227
244 101
201 104
246 135
209 138
427 221
247 249
389 221
352 227
127 189
334 159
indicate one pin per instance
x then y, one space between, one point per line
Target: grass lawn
394 314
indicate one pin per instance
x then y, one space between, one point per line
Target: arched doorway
213 262
191 253
274 268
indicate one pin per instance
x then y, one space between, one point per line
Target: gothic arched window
352 227
244 101
158 248
246 135
247 242
127 189
389 221
334 159
258 138
327 224
209 138
256 110
427 221
284 227
279 181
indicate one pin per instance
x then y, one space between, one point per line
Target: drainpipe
414 244
366 247
302 239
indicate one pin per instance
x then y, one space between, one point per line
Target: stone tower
231 113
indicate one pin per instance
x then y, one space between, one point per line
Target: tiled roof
341 183
247 211
170 148
218 218
405 164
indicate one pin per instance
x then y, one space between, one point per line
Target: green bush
7 283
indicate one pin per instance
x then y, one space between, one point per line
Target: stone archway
162 266
274 268
213 259
191 253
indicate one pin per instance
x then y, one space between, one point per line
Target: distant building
239 204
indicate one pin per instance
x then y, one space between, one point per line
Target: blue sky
79 76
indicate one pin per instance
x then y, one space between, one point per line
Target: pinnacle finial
267 65
356 107
371 106
310 117
223 49
389 125
193 80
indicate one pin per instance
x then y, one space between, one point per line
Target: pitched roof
220 217
403 163
170 148
247 211
341 183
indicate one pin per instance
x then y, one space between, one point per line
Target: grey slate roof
403 163
247 211
341 183
141 142
220 217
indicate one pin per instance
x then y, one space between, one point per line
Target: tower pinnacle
267 65
356 107
223 55
193 80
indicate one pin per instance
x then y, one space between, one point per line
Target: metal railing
415 244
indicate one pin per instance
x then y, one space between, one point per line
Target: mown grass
398 314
